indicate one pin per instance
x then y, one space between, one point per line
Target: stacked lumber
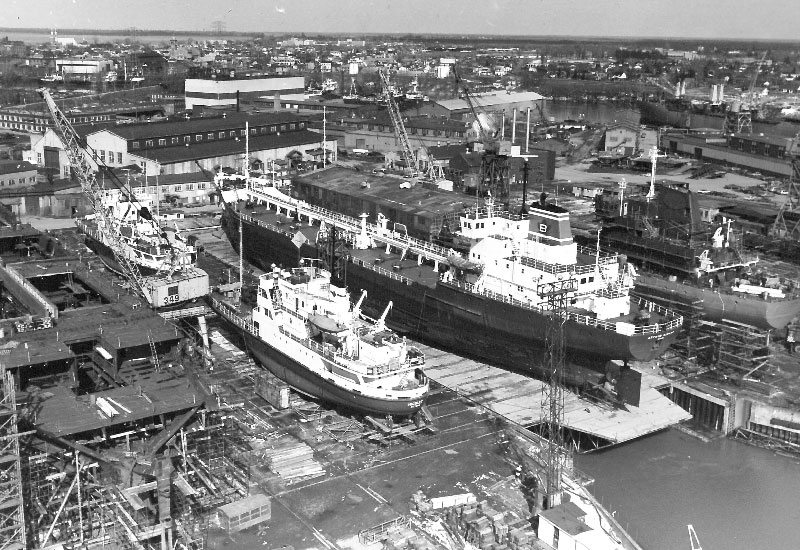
292 459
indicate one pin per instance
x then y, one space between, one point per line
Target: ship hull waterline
106 255
310 383
719 306
446 316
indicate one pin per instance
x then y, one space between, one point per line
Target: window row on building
388 128
184 139
177 188
34 123
30 180
107 157
758 146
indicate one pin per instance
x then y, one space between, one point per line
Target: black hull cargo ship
484 304
684 259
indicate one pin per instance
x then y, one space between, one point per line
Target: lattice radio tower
557 295
218 27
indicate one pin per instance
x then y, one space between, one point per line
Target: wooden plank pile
291 459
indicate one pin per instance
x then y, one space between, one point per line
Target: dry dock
518 399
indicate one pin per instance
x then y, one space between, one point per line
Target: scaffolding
12 516
696 341
65 500
743 350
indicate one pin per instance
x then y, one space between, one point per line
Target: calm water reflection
736 496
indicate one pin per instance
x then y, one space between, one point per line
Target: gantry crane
739 118
397 122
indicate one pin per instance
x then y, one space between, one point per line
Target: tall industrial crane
397 122
694 541
93 192
739 118
751 101
792 203
159 290
494 176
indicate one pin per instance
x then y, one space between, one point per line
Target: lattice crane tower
557 295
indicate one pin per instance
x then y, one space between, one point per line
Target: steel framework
397 122
12 515
791 204
93 192
557 295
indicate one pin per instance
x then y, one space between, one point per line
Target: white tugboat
306 332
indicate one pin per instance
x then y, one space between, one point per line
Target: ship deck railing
674 320
671 322
606 257
382 270
554 269
344 362
477 213
615 291
266 225
353 225
406 242
338 358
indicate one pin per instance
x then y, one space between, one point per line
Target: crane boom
397 122
694 541
487 135
76 153
750 98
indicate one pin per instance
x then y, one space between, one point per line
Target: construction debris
291 459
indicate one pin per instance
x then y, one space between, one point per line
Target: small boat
305 331
163 258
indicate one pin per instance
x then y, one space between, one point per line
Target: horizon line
128 30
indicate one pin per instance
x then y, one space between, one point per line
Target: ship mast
653 159
247 183
324 137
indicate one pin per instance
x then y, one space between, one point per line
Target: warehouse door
51 159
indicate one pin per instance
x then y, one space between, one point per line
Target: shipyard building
226 94
178 147
504 102
378 133
766 154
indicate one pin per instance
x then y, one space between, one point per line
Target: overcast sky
759 19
